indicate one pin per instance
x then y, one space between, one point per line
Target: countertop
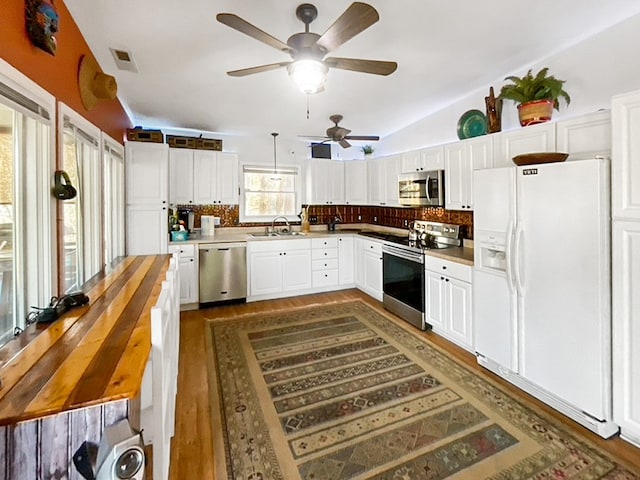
92 354
462 255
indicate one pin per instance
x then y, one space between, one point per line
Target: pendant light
275 175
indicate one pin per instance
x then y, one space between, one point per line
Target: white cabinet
625 200
382 175
461 159
426 159
534 138
147 195
324 262
587 136
346 260
203 177
278 267
188 272
325 182
369 268
355 182
448 300
626 334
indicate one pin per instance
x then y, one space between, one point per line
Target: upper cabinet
588 136
146 170
625 171
382 180
534 138
203 177
355 182
325 182
460 160
423 160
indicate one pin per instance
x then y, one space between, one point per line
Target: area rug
342 391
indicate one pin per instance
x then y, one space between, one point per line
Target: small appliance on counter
208 224
188 217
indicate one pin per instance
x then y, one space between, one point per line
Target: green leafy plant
367 149
530 88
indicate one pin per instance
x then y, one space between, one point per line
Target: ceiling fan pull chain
307 107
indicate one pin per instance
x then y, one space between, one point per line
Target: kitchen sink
278 234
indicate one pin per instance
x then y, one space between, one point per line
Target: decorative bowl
539 157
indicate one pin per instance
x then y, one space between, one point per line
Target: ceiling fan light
308 75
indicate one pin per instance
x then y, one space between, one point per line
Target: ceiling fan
341 135
309 66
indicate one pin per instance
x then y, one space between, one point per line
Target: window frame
113 227
35 232
266 219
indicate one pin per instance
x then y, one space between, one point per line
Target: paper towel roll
207 225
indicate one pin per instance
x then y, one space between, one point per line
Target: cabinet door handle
192 259
444 267
441 278
446 279
284 253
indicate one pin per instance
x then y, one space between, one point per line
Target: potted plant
536 96
367 150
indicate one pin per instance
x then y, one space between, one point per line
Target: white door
227 179
625 151
372 265
266 273
181 176
147 230
454 178
355 182
458 296
626 334
296 269
479 152
494 200
392 168
147 171
188 280
534 138
375 181
346 261
564 285
434 299
205 190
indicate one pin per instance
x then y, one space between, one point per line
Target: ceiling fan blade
373 138
377 67
237 23
344 143
341 132
262 68
358 17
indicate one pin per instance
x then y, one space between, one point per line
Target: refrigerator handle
516 260
509 257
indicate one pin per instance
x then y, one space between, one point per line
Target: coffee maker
188 217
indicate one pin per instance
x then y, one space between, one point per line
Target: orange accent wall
57 74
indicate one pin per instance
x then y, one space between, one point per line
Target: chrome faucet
273 224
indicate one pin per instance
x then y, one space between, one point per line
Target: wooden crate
176 141
142 135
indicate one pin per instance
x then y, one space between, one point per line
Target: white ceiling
444 50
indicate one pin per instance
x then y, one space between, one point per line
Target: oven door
403 284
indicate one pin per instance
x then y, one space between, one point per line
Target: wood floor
192 452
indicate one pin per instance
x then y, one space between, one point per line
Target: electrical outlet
359 217
406 223
375 219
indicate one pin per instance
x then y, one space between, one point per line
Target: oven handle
399 252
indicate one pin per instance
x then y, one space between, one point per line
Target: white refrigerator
541 280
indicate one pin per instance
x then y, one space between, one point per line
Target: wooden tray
540 157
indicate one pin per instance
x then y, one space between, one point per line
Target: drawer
187 250
324 242
324 264
371 246
320 253
448 268
268 245
324 278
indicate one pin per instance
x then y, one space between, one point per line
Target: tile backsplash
384 216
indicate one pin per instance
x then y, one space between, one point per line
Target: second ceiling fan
341 135
309 66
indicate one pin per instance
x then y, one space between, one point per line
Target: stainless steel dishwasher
223 271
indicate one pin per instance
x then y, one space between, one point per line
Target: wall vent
124 60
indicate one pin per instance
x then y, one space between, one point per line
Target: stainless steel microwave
421 188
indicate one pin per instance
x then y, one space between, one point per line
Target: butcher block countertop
92 354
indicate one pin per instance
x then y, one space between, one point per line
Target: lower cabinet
626 334
278 267
188 266
346 261
448 300
324 262
369 267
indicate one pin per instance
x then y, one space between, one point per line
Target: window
268 194
113 161
27 239
82 254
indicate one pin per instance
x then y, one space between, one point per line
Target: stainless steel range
403 275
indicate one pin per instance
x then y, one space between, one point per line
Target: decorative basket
141 135
175 141
179 235
531 113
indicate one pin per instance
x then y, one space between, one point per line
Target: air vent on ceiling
124 60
